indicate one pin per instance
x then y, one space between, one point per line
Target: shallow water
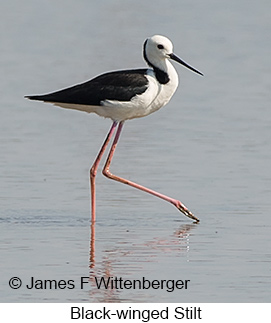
209 147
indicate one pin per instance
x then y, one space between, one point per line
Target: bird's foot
181 207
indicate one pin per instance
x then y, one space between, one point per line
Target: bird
123 95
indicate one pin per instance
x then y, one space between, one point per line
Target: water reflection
92 246
126 260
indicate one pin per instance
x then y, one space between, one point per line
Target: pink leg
93 170
108 174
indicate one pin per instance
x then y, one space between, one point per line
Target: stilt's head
157 49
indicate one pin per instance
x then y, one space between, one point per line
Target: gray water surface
209 147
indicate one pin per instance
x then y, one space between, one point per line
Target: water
210 147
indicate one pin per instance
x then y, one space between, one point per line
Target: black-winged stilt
123 95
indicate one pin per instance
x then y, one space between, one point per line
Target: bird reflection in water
150 249
92 246
130 259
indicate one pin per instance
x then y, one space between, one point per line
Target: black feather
117 85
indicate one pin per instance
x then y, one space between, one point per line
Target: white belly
154 98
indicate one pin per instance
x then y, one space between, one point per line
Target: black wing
118 85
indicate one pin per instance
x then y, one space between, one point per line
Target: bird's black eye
160 46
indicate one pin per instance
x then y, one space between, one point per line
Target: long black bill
177 59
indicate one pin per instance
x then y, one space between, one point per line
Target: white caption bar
134 312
